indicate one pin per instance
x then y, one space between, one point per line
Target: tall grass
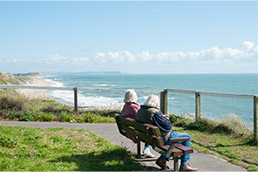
229 125
15 106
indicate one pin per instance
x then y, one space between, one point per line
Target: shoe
162 164
187 168
147 154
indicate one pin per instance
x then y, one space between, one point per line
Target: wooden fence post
256 118
161 101
75 101
165 97
197 107
164 101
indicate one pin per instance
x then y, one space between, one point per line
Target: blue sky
129 36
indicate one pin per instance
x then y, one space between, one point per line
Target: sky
139 37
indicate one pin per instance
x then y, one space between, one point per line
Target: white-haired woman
129 110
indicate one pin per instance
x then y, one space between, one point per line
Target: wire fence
237 108
79 98
240 110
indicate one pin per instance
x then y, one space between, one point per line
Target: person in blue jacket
150 113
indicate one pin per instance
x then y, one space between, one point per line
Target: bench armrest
175 140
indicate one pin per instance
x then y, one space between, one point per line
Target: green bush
64 117
175 118
90 118
222 128
46 117
179 120
196 126
14 115
11 103
49 108
103 113
28 117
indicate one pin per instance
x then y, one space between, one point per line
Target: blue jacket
162 122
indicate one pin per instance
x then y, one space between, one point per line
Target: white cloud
246 46
80 60
3 56
247 53
216 30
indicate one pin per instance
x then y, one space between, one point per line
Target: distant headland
88 73
31 74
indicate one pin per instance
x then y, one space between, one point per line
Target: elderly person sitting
129 110
150 113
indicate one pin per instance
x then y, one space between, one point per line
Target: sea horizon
240 83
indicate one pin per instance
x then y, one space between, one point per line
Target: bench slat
142 135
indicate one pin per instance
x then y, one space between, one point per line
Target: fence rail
199 103
198 106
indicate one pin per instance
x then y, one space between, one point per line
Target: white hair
130 96
152 100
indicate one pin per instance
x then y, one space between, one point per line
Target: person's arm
166 116
162 122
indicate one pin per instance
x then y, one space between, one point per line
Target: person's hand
166 116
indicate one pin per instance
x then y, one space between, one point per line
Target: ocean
225 83
177 103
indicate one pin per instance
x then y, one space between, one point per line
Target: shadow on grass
227 155
115 160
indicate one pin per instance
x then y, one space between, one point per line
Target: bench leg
138 150
176 163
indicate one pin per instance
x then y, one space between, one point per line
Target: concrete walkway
110 132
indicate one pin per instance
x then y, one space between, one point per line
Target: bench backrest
147 133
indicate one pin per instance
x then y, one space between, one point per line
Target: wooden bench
150 134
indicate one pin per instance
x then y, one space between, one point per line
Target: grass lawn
51 149
36 149
236 150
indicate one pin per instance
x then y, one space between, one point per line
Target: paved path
110 132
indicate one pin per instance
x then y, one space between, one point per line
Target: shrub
49 108
64 117
104 113
196 126
11 103
174 118
14 115
46 117
110 113
179 120
90 118
28 117
222 128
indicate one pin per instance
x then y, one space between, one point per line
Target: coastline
36 93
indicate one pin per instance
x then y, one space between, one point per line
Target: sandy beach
35 93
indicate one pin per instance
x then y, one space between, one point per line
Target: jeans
148 146
184 158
